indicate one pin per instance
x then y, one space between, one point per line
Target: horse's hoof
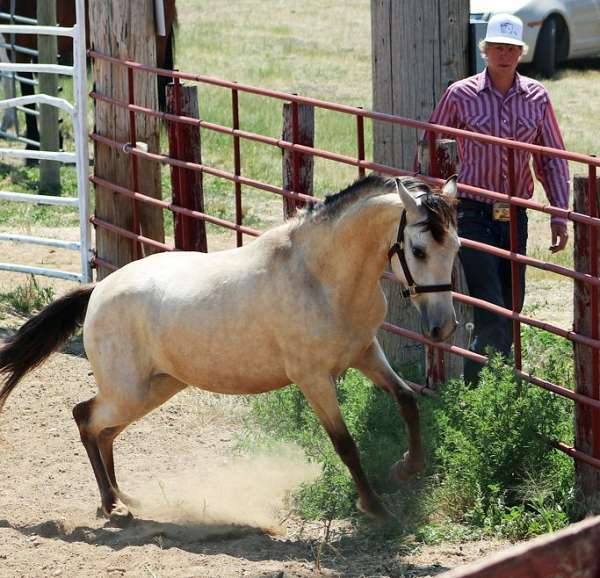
375 509
406 468
120 516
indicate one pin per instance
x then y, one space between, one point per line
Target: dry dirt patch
204 511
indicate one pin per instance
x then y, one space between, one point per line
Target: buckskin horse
65 16
300 304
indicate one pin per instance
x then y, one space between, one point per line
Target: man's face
503 57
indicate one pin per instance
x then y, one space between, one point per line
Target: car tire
544 59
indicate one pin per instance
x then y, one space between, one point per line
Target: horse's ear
450 187
408 201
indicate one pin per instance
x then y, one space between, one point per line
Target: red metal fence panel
591 220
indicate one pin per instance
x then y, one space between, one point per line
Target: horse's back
208 319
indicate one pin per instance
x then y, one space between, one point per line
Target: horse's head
422 254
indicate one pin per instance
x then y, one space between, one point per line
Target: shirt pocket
526 129
482 124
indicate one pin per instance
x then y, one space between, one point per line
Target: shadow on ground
582 64
353 555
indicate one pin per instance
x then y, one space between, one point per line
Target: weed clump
29 297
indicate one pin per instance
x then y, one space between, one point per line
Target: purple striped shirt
524 114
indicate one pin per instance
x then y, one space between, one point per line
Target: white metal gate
78 112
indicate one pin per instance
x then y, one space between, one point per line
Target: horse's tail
40 336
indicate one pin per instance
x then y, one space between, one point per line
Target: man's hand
560 236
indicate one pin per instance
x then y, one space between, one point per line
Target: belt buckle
501 212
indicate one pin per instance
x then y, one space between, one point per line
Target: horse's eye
418 253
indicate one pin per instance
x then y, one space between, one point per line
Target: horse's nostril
435 333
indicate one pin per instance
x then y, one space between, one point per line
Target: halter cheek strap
412 288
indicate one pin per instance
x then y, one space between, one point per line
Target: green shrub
490 467
496 468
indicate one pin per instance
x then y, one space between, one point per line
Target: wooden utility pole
49 140
125 30
587 363
419 47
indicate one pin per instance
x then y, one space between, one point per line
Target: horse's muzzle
437 333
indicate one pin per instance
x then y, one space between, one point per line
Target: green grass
317 49
23 215
321 50
29 297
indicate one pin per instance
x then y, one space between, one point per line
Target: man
502 103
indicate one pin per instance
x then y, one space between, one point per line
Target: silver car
555 30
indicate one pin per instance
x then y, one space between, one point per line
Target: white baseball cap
505 29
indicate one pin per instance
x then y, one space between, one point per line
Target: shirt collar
484 82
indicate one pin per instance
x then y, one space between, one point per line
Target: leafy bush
490 466
492 457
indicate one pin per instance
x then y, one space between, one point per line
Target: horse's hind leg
84 414
101 421
162 388
105 445
320 394
376 367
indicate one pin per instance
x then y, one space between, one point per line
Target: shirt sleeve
552 172
445 111
444 114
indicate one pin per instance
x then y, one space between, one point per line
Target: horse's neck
352 250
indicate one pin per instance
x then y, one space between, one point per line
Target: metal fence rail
13 18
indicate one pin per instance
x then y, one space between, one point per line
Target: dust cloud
248 492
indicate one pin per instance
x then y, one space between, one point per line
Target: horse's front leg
320 394
376 367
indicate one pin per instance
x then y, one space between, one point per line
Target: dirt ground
205 510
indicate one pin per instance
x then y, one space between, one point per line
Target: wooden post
125 30
48 84
297 168
446 162
419 46
441 367
587 419
184 144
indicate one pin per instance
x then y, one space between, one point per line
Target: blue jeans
489 278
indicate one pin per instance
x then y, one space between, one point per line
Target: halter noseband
398 249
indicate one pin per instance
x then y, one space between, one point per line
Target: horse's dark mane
334 204
440 209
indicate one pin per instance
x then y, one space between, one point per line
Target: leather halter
398 249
